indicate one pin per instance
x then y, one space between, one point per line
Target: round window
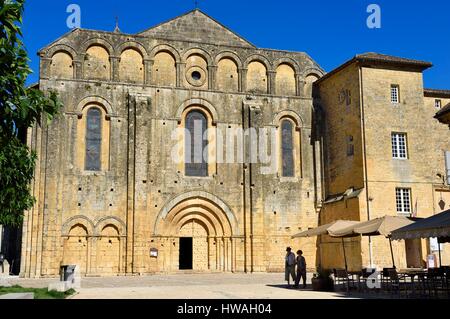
196 75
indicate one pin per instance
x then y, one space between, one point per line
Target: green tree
20 108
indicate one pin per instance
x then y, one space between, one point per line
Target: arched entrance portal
201 230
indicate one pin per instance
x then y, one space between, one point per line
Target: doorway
186 253
413 253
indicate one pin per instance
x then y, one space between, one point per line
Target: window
399 146
438 104
196 162
403 199
287 148
350 146
93 139
395 94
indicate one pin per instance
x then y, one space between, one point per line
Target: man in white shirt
289 266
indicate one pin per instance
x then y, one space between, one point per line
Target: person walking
301 269
289 266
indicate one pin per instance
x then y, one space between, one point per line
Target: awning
379 226
434 226
328 229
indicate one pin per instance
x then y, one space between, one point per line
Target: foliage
16 171
20 108
39 293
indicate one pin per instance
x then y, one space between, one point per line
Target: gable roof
196 26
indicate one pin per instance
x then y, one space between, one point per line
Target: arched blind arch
93 139
196 162
287 148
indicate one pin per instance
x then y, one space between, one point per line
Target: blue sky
330 31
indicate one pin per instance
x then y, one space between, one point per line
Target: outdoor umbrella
380 226
434 226
329 229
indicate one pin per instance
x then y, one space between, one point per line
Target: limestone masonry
111 199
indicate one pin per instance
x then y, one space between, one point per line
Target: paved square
191 286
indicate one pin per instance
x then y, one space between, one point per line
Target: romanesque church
356 143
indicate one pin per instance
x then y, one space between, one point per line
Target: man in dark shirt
301 269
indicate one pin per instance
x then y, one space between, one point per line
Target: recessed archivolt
228 55
217 220
201 219
98 100
198 51
197 202
294 116
165 48
197 102
77 220
314 72
291 62
61 48
133 46
110 221
258 58
98 42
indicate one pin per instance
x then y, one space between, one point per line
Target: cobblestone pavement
189 286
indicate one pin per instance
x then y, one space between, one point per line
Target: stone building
112 199
109 196
384 154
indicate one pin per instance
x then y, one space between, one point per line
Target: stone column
115 61
91 261
181 67
45 66
131 176
243 79
210 252
77 69
217 254
212 71
148 64
271 75
299 85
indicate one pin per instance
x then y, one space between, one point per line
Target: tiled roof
377 57
381 59
436 93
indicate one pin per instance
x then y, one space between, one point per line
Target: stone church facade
111 198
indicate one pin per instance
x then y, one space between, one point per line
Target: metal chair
385 277
396 282
341 277
365 275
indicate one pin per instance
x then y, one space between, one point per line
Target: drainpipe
363 124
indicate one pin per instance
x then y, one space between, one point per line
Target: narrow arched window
287 148
93 139
196 160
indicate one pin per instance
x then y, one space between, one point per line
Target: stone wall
107 221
